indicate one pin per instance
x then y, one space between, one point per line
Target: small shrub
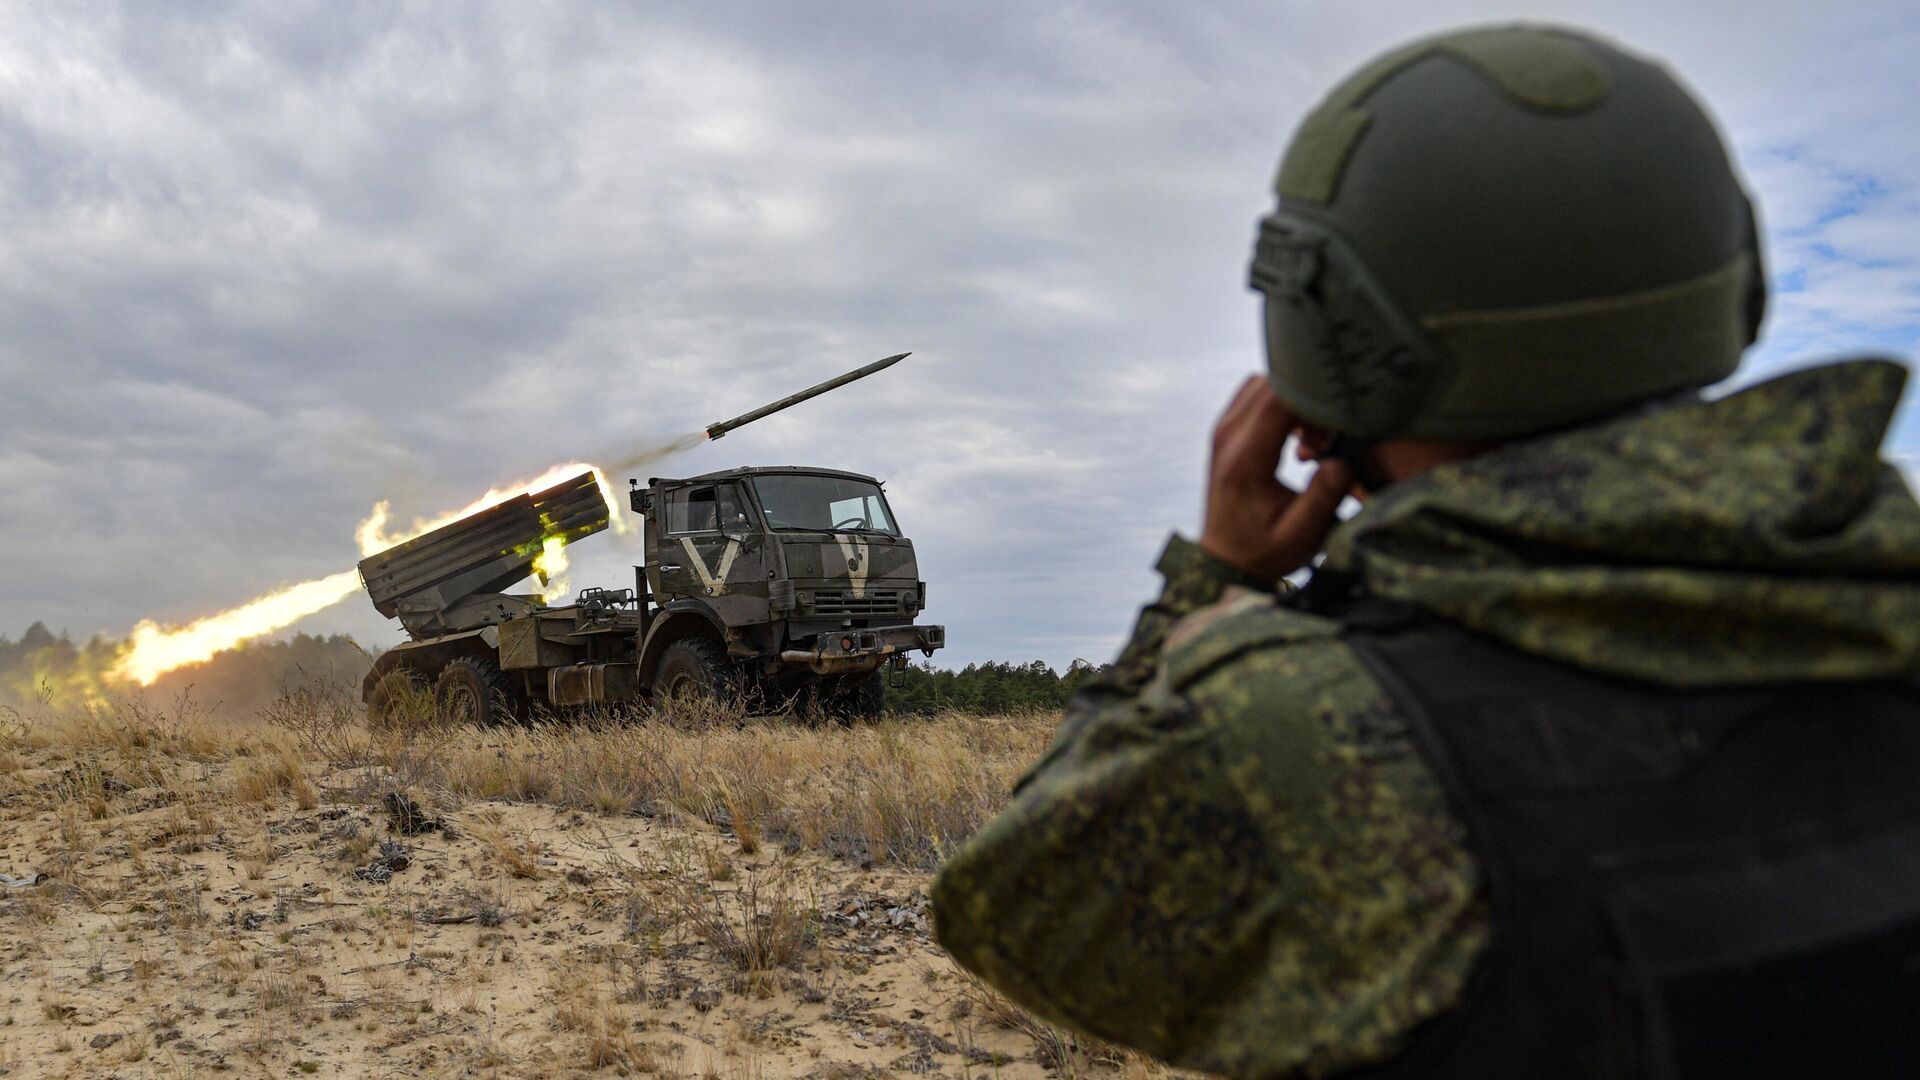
761 926
325 719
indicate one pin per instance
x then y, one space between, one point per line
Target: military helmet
1497 232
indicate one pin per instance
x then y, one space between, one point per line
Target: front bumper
843 652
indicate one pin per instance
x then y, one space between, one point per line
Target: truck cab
802 572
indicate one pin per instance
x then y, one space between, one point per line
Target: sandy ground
188 929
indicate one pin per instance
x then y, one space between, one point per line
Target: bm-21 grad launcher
788 580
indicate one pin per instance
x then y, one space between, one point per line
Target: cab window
715 508
692 511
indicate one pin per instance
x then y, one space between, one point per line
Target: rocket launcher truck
785 580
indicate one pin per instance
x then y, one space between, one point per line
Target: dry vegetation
692 894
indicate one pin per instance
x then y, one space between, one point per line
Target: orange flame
152 650
373 537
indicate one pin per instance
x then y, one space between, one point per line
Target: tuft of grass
275 771
492 908
283 993
761 926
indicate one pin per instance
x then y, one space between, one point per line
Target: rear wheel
696 669
863 697
401 699
844 699
471 690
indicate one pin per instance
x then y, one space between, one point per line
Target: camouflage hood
1756 538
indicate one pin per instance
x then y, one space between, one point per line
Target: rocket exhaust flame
152 650
551 568
372 535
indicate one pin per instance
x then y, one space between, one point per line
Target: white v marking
715 581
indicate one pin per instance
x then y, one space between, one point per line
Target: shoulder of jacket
1241 622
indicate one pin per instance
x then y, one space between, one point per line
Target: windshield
823 504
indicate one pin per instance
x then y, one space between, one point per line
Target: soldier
1589 748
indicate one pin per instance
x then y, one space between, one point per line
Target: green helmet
1501 231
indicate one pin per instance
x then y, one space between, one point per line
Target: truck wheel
696 668
473 691
864 697
845 699
402 700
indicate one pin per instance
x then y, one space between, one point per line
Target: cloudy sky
263 264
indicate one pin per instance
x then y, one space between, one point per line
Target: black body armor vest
1720 883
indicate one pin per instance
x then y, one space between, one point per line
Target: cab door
713 550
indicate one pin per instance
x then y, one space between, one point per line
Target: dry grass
1065 1052
583 1008
899 792
131 727
331 724
518 855
271 773
764 925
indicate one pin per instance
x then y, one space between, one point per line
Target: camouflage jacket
1232 856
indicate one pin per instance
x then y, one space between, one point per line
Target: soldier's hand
1254 522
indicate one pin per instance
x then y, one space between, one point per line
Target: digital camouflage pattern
1754 538
1232 857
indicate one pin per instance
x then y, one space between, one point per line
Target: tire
400 700
863 698
845 699
696 668
471 690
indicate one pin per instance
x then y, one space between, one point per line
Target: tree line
986 689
